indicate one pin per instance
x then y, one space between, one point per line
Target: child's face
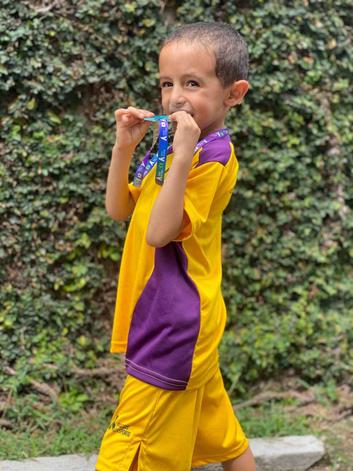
188 82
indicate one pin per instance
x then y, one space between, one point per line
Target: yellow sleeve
201 188
134 191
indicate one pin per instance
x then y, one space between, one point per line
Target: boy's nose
177 98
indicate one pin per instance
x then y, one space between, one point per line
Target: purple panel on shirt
218 150
165 323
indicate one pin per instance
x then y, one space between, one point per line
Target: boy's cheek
165 95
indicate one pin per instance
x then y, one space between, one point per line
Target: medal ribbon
162 151
160 157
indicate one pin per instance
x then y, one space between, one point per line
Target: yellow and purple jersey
170 313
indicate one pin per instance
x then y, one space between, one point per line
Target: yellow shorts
171 430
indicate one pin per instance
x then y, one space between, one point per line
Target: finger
178 115
182 117
131 111
136 112
120 112
124 116
147 114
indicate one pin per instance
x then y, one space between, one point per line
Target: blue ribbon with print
162 151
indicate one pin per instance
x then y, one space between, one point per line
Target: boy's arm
130 130
118 200
167 213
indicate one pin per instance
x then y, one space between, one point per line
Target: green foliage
278 423
52 430
287 232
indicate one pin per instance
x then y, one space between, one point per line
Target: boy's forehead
187 57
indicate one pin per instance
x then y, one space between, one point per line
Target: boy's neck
205 132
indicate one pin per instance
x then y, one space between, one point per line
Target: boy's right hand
186 135
131 127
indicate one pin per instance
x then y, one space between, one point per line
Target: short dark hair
231 52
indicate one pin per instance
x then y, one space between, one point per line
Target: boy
174 412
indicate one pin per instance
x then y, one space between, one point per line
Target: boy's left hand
186 135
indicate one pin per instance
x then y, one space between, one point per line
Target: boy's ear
236 93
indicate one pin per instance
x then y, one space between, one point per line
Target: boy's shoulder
219 150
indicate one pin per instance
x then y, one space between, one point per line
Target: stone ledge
294 453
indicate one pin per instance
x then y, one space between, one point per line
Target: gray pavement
294 453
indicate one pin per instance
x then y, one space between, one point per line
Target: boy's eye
166 84
192 83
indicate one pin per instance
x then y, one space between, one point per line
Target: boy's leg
244 462
122 440
220 437
152 429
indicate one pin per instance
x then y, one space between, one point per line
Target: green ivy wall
288 245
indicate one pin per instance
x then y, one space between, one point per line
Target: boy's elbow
116 216
156 242
159 239
120 212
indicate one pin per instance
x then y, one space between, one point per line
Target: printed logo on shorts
118 427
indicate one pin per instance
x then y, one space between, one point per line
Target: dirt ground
334 425
338 439
329 413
